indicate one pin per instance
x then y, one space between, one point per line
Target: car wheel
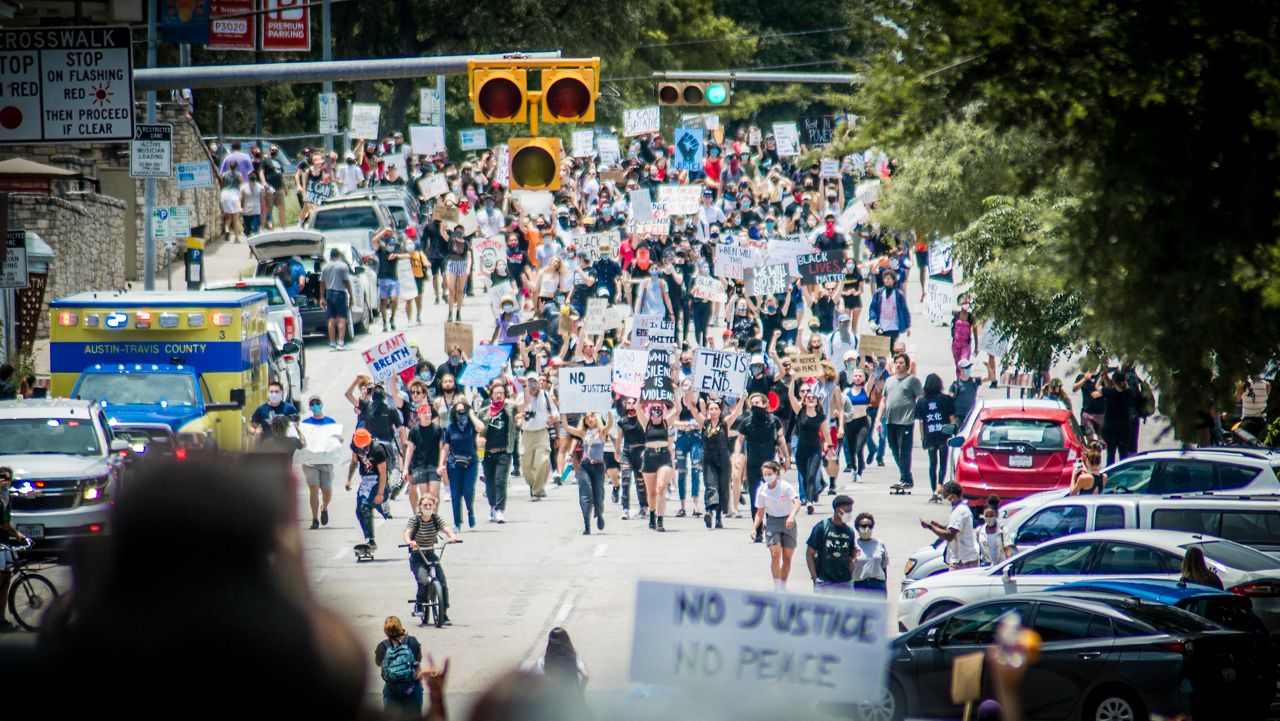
937 610
890 707
1114 704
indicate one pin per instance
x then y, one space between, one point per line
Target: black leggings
591 489
715 483
419 568
899 437
937 466
635 459
809 468
855 440
701 319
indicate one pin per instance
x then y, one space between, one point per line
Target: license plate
34 530
1019 461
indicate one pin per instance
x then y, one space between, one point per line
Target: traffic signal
535 163
569 93
700 93
498 94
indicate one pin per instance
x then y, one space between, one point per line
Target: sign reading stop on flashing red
65 84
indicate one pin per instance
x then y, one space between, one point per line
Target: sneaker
393 324
880 462
324 516
599 523
626 516
499 517
515 472
333 346
471 521
314 524
493 515
384 326
615 495
372 544
810 509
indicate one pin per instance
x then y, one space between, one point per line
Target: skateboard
899 489
363 552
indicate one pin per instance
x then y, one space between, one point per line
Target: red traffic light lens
533 166
568 98
500 98
668 94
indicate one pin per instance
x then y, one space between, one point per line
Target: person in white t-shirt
962 546
349 175
777 503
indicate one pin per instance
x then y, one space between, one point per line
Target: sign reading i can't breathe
819 648
66 84
388 357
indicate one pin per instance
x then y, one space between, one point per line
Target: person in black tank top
631 434
715 456
657 469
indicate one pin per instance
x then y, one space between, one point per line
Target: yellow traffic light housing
569 93
498 94
535 163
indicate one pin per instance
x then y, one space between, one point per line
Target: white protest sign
473 139
657 228
787 136
640 330
640 121
992 342
617 316
194 175
433 185
753 135
641 206
426 139
768 280
868 192
815 648
852 216
709 288
608 149
364 120
585 389
404 274
592 242
502 165
628 371
830 168
745 256
389 357
535 202
720 373
487 252
662 334
325 444
939 299
728 266
151 151
680 199
584 143
785 250
595 320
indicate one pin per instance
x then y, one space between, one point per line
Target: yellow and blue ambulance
175 372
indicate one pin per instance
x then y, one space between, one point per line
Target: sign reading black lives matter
659 385
66 84
821 267
815 648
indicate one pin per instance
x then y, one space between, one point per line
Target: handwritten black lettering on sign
317 191
818 130
720 373
659 385
822 267
768 280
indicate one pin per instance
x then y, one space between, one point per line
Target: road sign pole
149 195
440 92
328 55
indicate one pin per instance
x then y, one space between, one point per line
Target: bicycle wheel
431 605
30 597
437 593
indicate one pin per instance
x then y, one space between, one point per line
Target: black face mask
379 396
758 412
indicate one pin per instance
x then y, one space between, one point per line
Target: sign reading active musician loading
66 84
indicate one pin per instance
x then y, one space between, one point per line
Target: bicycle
429 610
31 595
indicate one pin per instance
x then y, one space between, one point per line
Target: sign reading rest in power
65 84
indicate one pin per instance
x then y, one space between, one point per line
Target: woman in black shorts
657 468
715 457
851 294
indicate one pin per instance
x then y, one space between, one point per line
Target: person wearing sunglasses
872 564
831 551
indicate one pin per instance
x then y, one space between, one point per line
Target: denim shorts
388 288
335 303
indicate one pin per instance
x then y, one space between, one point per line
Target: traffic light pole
753 77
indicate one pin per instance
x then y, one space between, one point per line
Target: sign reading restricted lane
65 84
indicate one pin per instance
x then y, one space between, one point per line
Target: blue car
1229 609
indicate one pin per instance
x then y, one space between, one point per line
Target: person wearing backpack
400 660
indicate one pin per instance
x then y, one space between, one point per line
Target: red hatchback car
1014 448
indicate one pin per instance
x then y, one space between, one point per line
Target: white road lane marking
565 609
601 549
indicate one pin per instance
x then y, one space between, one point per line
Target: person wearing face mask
870 570
537 413
962 547
830 551
896 414
489 218
652 296
319 476
761 439
276 405
499 442
629 440
712 166
349 176
776 502
990 536
459 460
713 426
507 317
857 425
709 214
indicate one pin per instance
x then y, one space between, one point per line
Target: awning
30 168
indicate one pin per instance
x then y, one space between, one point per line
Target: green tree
1166 116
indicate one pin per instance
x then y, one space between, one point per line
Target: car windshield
1236 556
272 291
165 389
68 436
352 218
1164 618
1043 435
401 217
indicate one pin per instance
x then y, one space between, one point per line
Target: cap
964 363
397 134
851 355
362 438
562 210
841 500
350 156
708 193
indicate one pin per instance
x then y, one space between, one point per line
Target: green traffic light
717 94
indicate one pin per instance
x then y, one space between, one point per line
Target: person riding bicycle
421 533
7 532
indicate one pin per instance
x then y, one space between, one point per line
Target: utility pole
328 55
149 193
